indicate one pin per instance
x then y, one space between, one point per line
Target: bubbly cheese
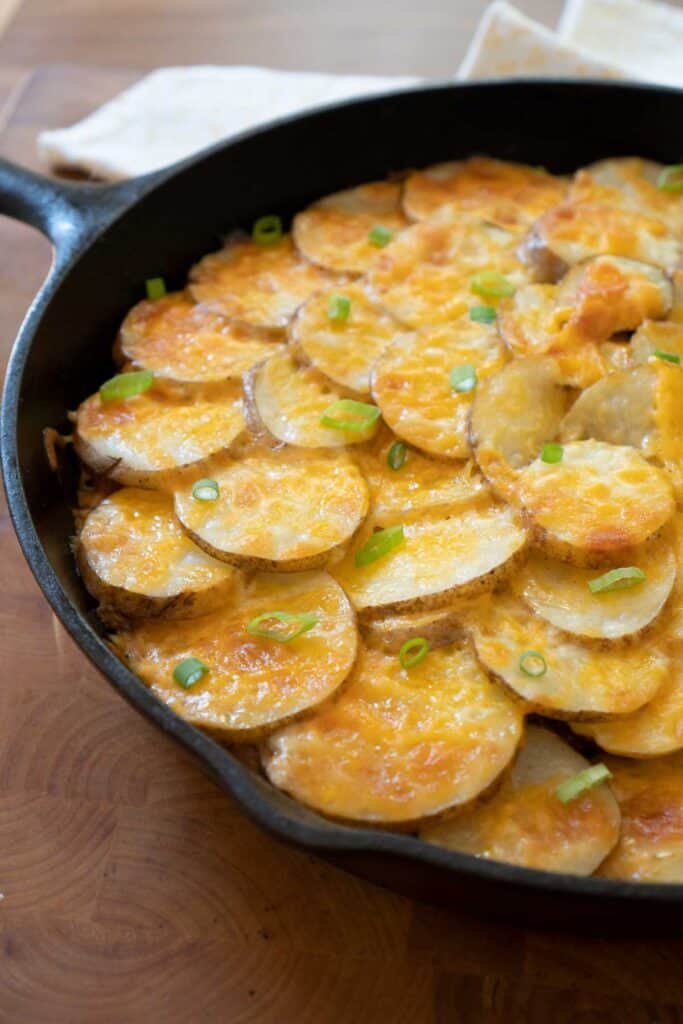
631 183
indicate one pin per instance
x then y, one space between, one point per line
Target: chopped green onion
125 385
339 307
671 178
616 579
189 672
156 288
413 651
348 414
205 490
293 625
483 314
379 545
668 357
267 230
532 663
491 284
552 452
463 378
396 455
583 781
380 236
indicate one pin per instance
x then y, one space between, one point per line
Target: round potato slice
496 190
525 823
335 231
657 336
440 559
253 684
574 680
619 409
285 511
650 797
134 558
145 440
515 411
342 350
560 594
411 383
654 730
629 182
438 626
179 340
284 402
675 606
258 285
598 501
399 745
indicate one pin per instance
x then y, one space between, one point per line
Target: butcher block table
134 891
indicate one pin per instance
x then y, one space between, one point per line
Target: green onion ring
267 230
616 579
155 287
126 385
483 314
189 672
348 414
206 490
491 284
463 378
419 645
671 178
304 621
339 307
379 544
668 357
582 782
527 666
552 453
396 456
380 236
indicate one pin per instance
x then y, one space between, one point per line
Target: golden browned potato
283 511
144 440
631 183
399 745
558 675
438 626
258 285
525 822
251 684
179 340
650 797
135 559
336 231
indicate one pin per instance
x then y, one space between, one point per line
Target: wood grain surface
136 892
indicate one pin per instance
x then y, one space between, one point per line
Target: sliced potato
134 558
424 275
619 409
179 340
650 797
334 232
284 402
560 594
616 354
654 730
657 336
514 413
342 350
525 823
284 511
675 606
440 559
580 680
399 745
252 684
438 626
145 440
630 182
496 190
258 285
598 501
411 384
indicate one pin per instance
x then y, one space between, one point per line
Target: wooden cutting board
136 892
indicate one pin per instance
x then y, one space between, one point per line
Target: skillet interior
64 352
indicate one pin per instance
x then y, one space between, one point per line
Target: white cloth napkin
173 112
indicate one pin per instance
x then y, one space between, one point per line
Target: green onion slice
156 288
282 627
671 178
616 579
413 651
463 378
205 490
339 307
125 385
491 284
396 455
379 545
380 236
189 672
552 453
267 230
533 664
583 781
483 314
348 414
668 357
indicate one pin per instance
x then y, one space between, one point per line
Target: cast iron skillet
109 239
